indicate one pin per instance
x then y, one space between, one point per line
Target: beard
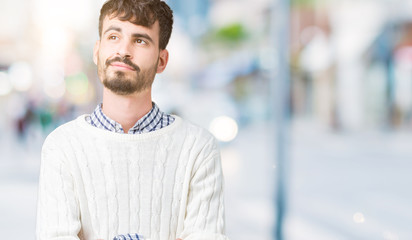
126 83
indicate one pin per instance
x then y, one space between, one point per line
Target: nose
124 50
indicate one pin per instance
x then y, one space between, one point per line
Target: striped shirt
129 237
152 121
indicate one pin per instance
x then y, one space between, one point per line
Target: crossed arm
204 218
120 237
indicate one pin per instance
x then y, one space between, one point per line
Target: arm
205 206
58 210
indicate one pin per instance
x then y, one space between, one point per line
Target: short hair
141 12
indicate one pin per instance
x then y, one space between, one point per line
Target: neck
128 109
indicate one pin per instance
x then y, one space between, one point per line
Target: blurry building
389 64
349 64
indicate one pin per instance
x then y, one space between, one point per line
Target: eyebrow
142 35
117 29
134 35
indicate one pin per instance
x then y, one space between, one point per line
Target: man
129 169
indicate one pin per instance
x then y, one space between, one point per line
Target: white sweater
96 184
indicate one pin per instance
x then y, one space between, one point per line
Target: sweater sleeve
204 218
57 210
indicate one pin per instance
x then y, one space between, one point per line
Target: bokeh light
77 84
54 85
387 235
21 76
358 217
5 85
78 90
224 128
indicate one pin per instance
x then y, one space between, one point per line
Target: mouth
122 66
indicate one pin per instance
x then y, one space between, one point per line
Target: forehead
129 26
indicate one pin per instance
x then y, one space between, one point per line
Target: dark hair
141 12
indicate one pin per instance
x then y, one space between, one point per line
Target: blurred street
341 185
350 185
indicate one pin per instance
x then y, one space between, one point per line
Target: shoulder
203 147
62 133
195 130
200 138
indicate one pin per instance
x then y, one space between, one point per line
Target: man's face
128 56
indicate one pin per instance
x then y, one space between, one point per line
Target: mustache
123 60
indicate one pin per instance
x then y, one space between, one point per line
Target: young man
128 168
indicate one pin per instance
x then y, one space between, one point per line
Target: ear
96 51
163 59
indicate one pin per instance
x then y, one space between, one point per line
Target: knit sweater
96 184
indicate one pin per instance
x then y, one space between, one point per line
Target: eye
112 37
140 41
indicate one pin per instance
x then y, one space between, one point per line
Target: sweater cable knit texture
96 184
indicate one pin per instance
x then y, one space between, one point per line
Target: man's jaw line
128 99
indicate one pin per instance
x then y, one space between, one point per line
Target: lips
122 66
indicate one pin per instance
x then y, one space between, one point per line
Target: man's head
132 46
141 12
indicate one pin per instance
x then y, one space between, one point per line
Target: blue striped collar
153 120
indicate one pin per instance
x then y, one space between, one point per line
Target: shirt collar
149 122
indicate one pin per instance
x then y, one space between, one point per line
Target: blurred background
331 161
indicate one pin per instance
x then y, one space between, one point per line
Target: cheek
103 57
149 58
105 52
